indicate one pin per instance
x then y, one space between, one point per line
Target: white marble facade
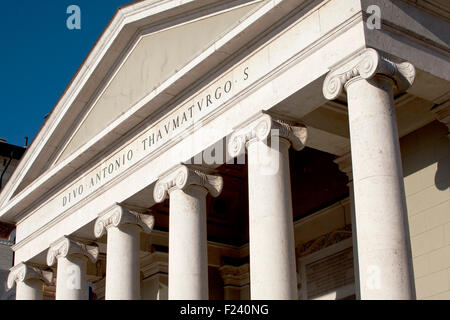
259 78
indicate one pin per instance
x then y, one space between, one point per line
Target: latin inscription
159 134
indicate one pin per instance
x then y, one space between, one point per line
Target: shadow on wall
418 153
442 177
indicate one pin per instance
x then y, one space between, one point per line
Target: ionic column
384 254
123 228
72 257
272 249
187 188
29 279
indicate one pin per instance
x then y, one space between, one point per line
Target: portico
174 169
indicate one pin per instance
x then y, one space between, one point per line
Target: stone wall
426 166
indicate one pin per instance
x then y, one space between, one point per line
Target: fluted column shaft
187 188
381 221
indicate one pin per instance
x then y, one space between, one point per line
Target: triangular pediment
153 59
146 44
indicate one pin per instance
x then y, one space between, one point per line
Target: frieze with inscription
163 131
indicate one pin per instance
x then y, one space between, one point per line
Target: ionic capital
120 215
366 65
262 127
24 271
182 177
66 247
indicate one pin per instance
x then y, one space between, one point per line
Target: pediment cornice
128 23
31 185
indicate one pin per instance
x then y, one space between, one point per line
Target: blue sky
39 56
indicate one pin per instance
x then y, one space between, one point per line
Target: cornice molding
324 40
324 241
436 8
262 128
205 10
367 64
183 176
235 276
345 165
128 16
155 263
66 247
24 271
310 49
120 215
